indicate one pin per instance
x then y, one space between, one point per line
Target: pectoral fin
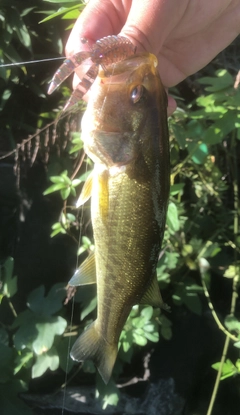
86 191
153 296
103 194
86 273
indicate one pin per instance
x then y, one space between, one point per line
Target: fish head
123 110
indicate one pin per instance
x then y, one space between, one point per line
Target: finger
99 18
172 106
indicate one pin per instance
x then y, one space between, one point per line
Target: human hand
184 35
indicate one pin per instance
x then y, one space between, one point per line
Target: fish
125 133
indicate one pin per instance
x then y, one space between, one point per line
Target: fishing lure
107 50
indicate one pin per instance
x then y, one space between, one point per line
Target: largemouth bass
125 133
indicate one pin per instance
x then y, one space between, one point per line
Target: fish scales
124 214
125 133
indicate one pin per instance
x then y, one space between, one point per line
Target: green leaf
172 217
57 228
89 308
58 179
231 272
24 358
62 347
166 333
48 305
171 259
76 182
64 174
176 188
232 323
27 332
212 250
147 312
237 344
153 337
47 330
65 193
228 369
48 360
140 340
165 327
23 35
221 128
222 80
109 393
54 188
198 152
71 15
193 302
5 97
10 283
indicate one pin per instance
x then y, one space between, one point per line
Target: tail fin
91 345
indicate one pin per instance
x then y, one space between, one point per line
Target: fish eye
136 93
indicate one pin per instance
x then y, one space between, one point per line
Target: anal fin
103 194
153 296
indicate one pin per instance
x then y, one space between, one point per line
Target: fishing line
80 218
80 215
6 65
67 363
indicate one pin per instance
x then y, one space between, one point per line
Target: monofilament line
6 65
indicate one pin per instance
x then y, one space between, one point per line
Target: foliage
31 344
23 40
65 12
197 229
229 369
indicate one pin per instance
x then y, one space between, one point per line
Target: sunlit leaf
222 80
228 369
48 360
147 312
89 308
198 152
176 188
65 193
10 282
232 323
47 330
172 217
231 271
